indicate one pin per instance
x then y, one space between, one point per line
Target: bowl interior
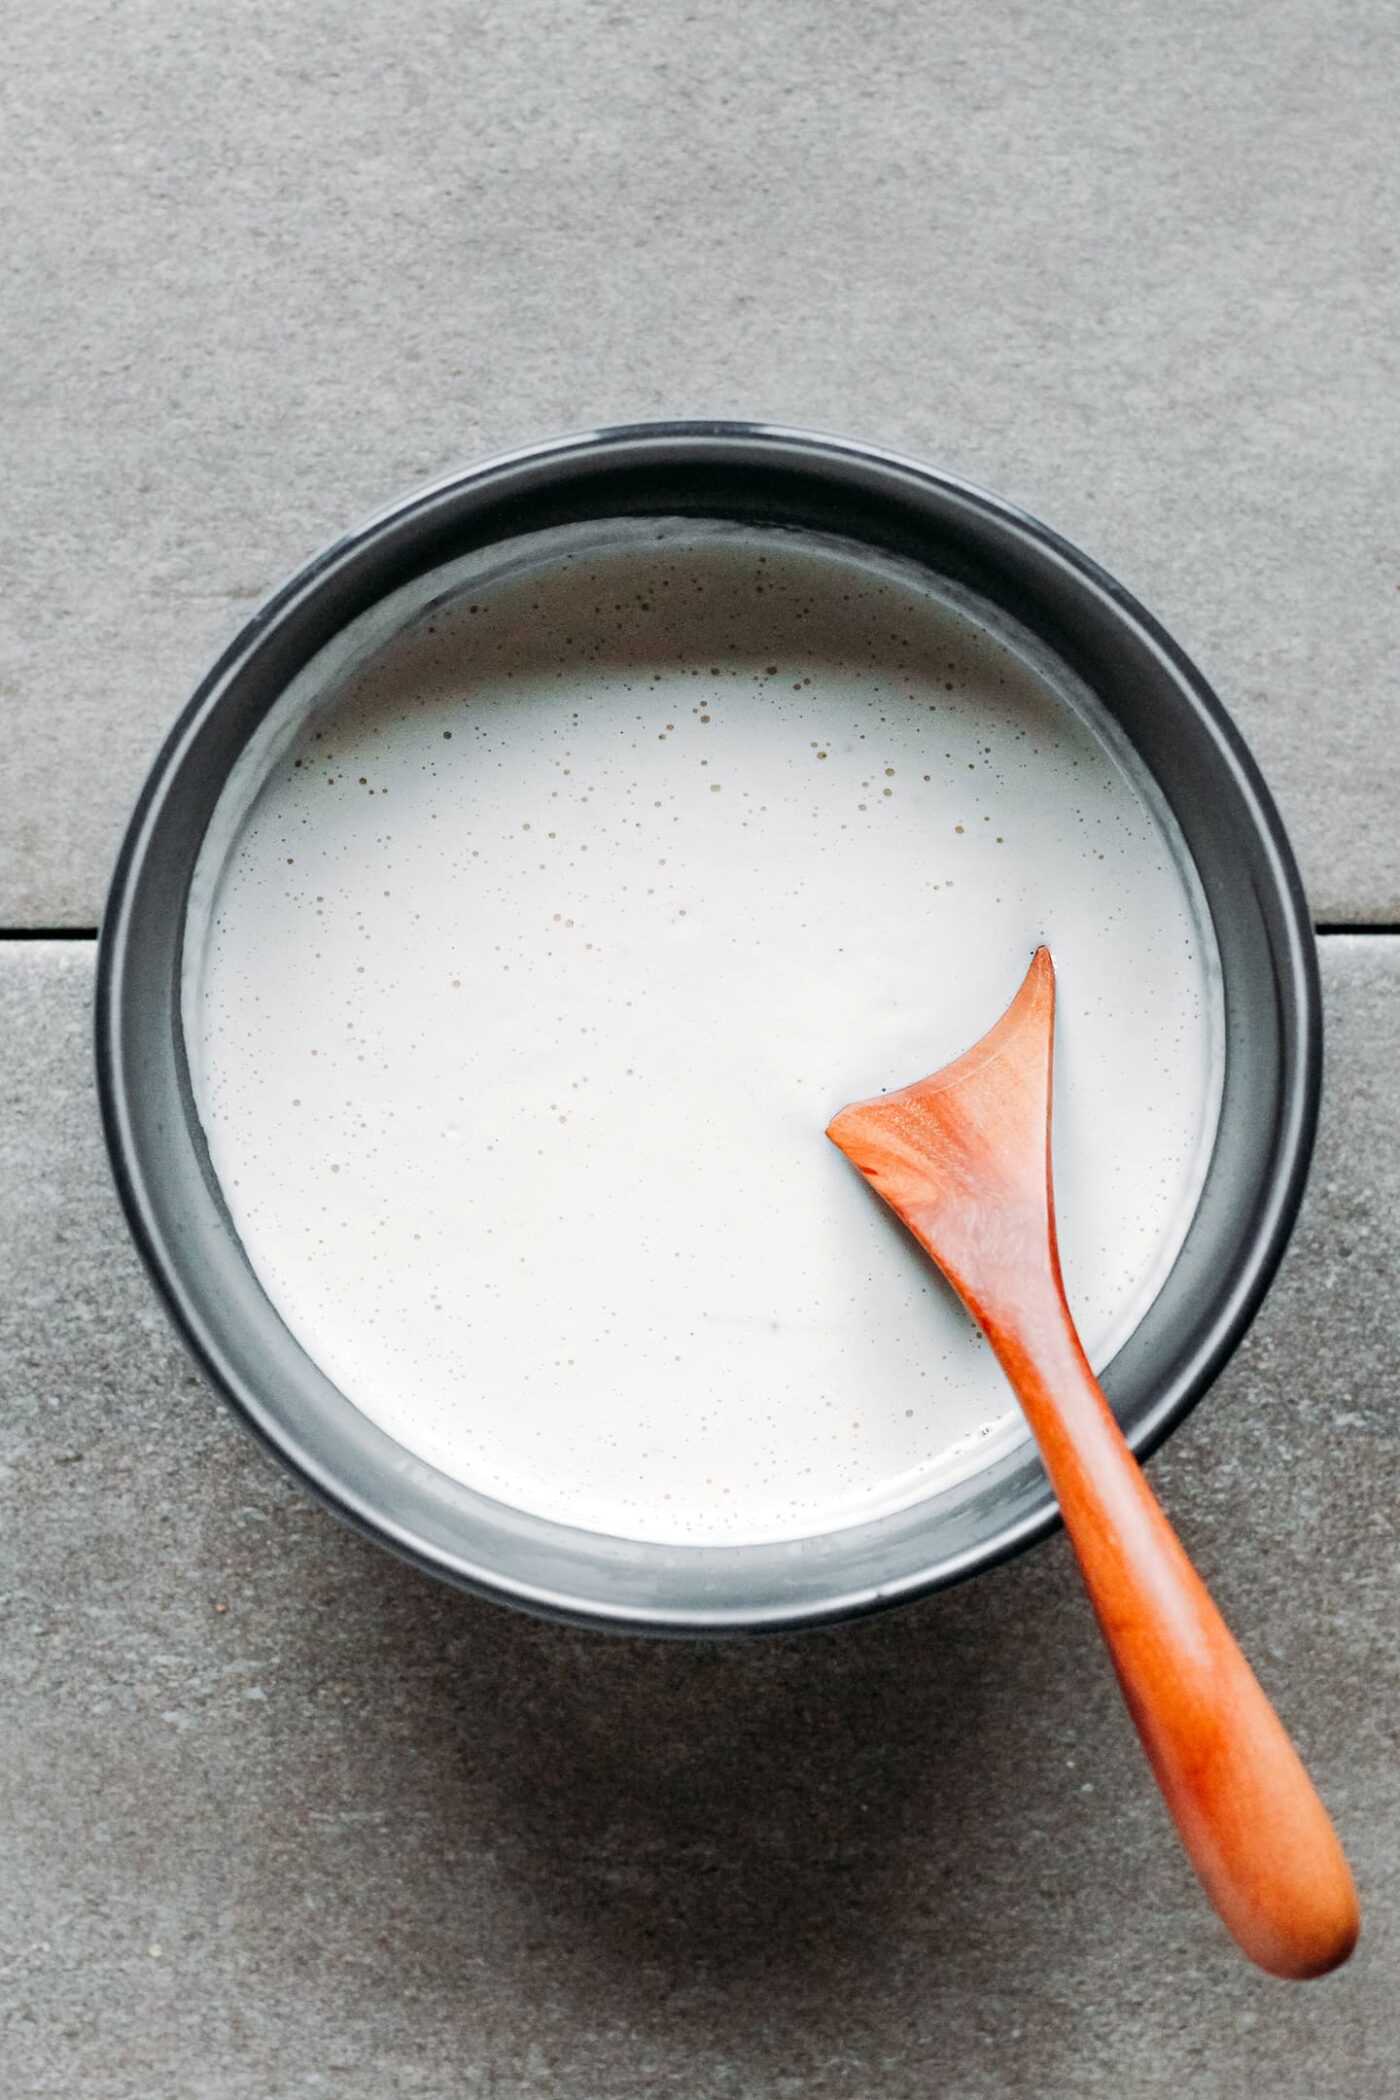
784 480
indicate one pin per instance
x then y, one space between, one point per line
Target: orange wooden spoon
964 1159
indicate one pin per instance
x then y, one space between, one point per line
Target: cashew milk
536 940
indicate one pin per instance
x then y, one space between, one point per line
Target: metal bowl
786 478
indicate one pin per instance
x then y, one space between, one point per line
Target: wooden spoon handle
1248 1814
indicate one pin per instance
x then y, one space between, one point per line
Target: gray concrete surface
262 267
282 1816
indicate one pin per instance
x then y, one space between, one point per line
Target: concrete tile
282 1815
264 268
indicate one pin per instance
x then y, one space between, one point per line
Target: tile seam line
1383 929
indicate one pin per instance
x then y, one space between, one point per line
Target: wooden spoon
964 1159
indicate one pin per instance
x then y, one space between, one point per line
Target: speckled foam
531 952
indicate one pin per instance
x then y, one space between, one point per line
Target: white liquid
526 970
